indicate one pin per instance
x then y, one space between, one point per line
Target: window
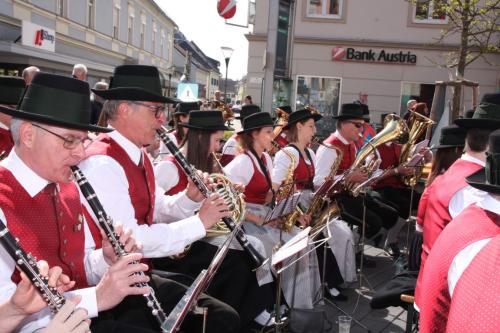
143 30
324 8
62 7
116 21
322 93
162 43
130 24
430 11
153 37
91 13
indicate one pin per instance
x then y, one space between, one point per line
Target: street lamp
226 52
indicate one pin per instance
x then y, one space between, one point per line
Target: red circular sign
226 8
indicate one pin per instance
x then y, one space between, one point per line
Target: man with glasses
122 176
42 208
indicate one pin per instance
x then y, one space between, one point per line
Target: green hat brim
255 128
316 117
478 180
133 94
51 120
469 123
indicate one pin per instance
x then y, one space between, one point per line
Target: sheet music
285 206
376 174
293 246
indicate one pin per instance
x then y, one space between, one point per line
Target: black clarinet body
106 224
27 264
192 174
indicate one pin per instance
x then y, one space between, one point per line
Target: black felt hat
248 109
135 83
486 115
184 108
451 136
488 179
350 111
11 89
206 121
301 115
56 100
492 98
256 121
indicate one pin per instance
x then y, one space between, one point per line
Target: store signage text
38 36
340 53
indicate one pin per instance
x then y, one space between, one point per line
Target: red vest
281 141
390 159
443 189
475 302
257 189
349 151
304 174
51 228
141 181
183 180
227 157
431 293
6 141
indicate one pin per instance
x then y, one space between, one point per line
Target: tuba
394 129
419 124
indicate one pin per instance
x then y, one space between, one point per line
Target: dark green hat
58 101
451 136
135 83
286 108
301 115
11 89
486 116
248 109
350 111
256 121
183 108
488 179
206 121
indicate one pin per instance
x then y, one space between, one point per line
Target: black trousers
235 282
333 277
132 314
399 198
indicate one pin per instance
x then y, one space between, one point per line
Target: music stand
361 275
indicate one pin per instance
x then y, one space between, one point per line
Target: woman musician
234 283
253 168
301 130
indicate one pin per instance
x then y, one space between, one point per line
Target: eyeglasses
70 142
157 109
355 123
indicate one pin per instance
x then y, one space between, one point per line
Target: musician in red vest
350 122
368 131
282 111
11 90
235 283
231 147
449 193
123 179
42 208
445 272
181 115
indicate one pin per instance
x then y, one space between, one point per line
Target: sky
199 21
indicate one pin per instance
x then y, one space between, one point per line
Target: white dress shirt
163 149
166 175
160 239
5 127
231 147
325 157
282 163
240 170
94 263
467 195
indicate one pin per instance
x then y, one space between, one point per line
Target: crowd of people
170 230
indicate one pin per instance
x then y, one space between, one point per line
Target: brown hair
293 131
197 150
179 129
477 139
246 139
443 159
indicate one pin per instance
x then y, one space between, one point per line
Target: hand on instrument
213 209
427 154
254 218
357 176
193 192
304 220
405 171
119 281
239 187
26 299
125 238
69 320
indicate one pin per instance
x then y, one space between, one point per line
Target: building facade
102 34
328 51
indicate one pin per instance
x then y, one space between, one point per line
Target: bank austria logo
340 53
42 35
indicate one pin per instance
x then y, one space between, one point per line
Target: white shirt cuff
88 302
98 266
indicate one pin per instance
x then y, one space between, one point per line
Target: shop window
116 22
430 11
323 94
324 8
421 92
62 8
91 13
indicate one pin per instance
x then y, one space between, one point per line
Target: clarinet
27 264
190 171
106 224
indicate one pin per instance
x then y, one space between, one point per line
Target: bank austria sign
38 36
341 53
